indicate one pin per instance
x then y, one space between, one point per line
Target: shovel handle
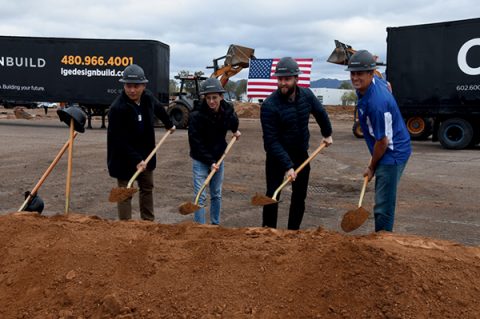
362 193
69 166
47 172
134 177
210 176
308 160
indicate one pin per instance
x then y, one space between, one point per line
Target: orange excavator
236 59
341 55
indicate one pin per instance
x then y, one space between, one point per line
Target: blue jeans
200 173
386 182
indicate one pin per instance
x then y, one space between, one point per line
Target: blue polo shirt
379 116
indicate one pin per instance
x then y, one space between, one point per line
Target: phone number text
97 60
468 87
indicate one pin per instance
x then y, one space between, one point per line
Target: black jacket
207 131
285 125
128 140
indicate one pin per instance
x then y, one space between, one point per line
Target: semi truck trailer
78 71
434 70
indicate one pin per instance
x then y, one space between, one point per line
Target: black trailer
434 70
83 71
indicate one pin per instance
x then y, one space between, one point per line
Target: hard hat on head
212 85
287 67
362 60
133 74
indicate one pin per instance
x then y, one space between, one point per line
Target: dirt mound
84 267
247 110
21 113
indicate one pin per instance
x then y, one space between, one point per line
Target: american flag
261 82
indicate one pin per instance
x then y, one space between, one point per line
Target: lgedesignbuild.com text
90 72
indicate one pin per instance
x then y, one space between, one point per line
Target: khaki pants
145 198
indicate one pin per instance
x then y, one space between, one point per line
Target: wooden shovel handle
308 160
210 176
134 177
364 187
69 166
47 172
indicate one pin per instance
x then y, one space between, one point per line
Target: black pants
275 176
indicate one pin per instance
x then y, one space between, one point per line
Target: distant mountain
326 83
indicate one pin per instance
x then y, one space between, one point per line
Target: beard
286 93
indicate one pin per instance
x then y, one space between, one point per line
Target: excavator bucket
238 56
341 54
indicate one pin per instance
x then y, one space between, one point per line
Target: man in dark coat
207 129
284 117
131 138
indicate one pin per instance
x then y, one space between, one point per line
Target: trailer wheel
420 128
357 129
455 133
178 115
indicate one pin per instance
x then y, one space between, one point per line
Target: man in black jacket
284 117
207 128
131 138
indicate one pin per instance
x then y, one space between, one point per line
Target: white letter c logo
462 57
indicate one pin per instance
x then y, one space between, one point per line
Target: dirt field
87 267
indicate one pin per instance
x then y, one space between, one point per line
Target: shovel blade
119 194
188 208
354 219
262 200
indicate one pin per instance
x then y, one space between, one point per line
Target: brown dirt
354 219
188 208
247 110
84 266
118 194
79 266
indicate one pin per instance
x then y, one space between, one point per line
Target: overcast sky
198 31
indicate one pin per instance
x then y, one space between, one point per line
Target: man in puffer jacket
207 128
284 117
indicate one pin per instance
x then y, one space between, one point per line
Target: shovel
189 207
356 217
262 200
34 191
119 194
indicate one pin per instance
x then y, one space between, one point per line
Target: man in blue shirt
385 133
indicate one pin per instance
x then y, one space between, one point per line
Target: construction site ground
89 265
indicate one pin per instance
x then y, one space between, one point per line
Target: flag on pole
261 82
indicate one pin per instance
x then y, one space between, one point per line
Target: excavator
236 59
418 127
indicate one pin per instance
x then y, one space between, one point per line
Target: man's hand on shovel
142 166
369 172
237 134
328 141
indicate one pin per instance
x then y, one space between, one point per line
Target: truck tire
455 133
420 128
357 129
178 115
